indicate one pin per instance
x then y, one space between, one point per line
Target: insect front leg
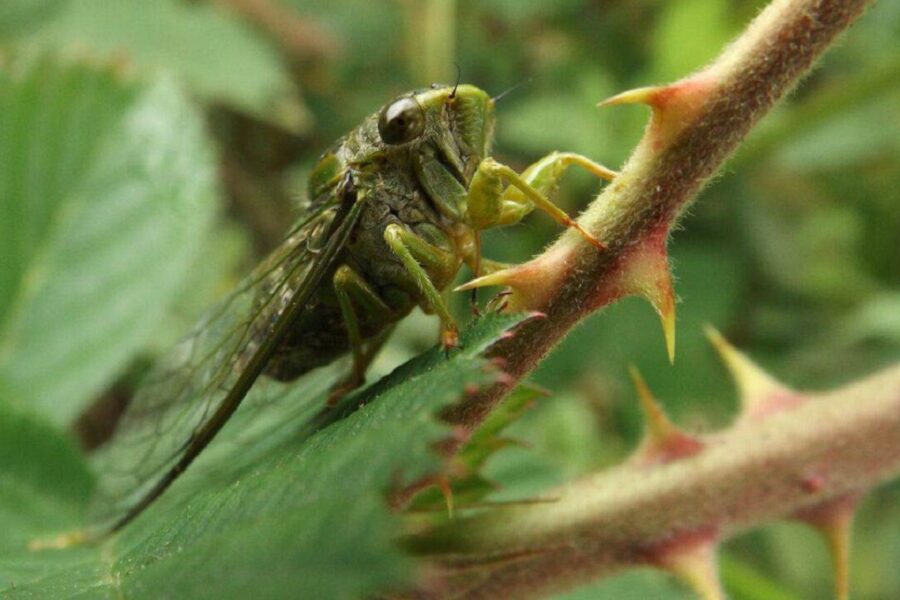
418 255
490 203
354 294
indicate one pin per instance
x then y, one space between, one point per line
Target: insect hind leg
353 292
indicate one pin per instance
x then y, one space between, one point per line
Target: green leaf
517 11
307 517
641 584
743 582
561 439
17 16
689 33
106 193
846 140
470 482
486 439
208 48
44 483
36 455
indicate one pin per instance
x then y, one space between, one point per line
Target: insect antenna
511 89
458 79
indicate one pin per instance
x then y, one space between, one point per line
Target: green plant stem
830 446
751 474
655 187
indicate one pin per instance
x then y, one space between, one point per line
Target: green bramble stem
613 520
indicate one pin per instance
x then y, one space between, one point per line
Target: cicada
395 208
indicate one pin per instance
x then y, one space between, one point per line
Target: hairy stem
791 455
685 144
791 463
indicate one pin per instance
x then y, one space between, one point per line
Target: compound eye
401 121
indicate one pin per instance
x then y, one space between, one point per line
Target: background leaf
203 45
106 192
689 34
17 16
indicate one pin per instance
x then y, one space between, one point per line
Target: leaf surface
301 512
106 194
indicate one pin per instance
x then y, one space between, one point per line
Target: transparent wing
193 391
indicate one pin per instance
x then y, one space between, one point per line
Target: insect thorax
390 196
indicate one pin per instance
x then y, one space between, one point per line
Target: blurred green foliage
792 252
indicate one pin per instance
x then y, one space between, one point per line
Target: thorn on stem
443 484
694 560
646 273
663 442
642 95
834 520
760 393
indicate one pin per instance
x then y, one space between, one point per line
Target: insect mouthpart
452 166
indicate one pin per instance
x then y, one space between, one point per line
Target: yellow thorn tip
756 386
698 568
659 427
838 532
443 484
643 95
648 275
500 278
668 325
662 297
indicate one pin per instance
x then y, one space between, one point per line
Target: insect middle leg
418 256
353 293
490 203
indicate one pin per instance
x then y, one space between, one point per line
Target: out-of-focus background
793 251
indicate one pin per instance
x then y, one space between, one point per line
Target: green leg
417 256
354 293
491 204
544 174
